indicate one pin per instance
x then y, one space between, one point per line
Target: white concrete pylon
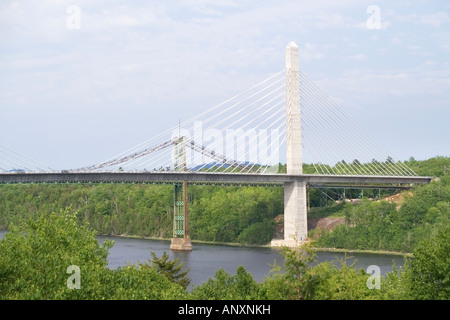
293 117
295 208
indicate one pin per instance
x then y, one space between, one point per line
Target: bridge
242 141
263 179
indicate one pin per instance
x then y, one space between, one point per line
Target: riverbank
236 244
381 252
230 244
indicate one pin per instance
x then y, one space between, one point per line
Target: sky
83 80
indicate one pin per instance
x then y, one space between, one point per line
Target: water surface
205 259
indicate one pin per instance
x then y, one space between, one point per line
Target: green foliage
396 284
35 256
297 279
301 279
434 167
329 211
234 214
295 283
224 286
140 283
257 233
339 281
430 268
171 269
381 226
143 210
215 213
426 276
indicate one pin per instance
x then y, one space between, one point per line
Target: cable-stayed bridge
285 118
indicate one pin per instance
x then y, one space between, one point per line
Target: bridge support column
181 244
295 200
295 215
180 240
295 219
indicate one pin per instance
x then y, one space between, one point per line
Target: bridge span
207 178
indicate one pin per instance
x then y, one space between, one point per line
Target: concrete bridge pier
295 217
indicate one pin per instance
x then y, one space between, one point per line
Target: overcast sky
83 80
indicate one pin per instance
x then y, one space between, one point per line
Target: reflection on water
205 259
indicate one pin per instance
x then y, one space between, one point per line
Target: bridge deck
203 177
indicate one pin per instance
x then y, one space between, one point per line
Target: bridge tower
180 239
295 200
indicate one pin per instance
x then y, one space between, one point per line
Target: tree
40 256
141 283
169 268
224 286
259 232
339 281
302 280
430 268
295 283
37 254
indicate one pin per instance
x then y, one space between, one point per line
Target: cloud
309 52
445 47
329 20
358 57
427 79
383 25
430 63
433 20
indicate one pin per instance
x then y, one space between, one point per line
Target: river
205 259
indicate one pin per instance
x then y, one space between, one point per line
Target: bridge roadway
208 178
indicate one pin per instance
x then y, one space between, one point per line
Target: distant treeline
225 214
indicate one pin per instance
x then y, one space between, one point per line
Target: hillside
396 222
